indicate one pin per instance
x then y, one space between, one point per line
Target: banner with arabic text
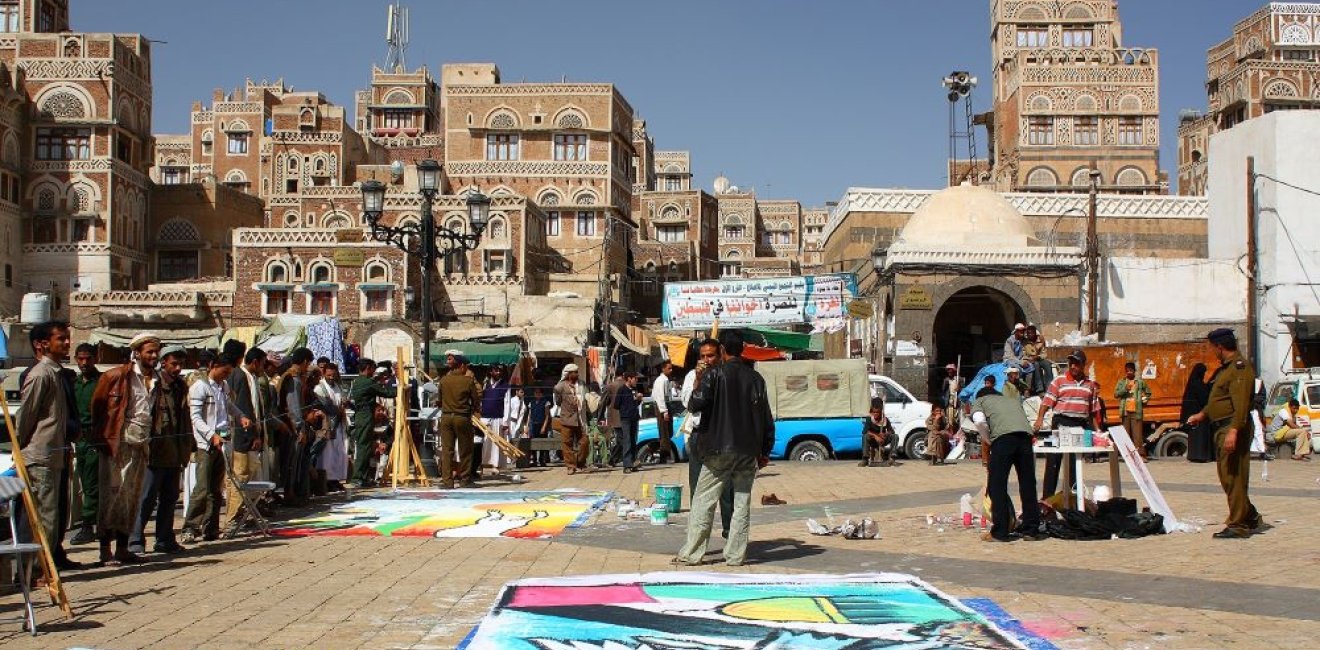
771 301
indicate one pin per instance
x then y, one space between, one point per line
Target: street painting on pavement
684 610
518 514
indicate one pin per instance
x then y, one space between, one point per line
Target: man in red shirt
1075 400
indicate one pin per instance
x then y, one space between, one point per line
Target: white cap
572 367
1019 326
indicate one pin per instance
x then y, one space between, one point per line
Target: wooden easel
53 585
403 453
496 439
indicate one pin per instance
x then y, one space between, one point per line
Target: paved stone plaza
1176 591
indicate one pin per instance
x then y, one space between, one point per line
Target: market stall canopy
192 338
779 339
555 340
4 346
480 334
622 339
481 354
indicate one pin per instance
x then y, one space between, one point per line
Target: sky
794 99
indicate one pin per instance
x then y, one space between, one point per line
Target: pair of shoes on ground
1013 537
772 500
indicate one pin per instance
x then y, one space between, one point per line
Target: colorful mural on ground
519 514
673 611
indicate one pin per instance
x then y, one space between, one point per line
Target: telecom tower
396 35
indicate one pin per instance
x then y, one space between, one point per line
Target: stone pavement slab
1172 591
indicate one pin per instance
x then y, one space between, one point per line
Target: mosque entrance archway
972 324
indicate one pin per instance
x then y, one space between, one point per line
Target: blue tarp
4 346
997 370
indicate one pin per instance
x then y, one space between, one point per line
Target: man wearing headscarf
572 418
122 407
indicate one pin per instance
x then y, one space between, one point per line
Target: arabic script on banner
771 301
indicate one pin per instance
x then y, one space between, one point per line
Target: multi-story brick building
75 136
677 235
1268 64
1068 95
814 221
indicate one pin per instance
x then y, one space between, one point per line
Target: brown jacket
110 404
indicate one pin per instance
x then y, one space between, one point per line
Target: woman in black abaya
1200 439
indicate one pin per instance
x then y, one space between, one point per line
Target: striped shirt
1072 397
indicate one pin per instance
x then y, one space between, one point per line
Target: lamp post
425 240
880 257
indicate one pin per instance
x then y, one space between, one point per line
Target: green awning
480 354
779 339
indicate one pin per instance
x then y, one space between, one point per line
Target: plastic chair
11 490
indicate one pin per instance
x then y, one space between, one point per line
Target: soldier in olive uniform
363 393
1229 415
460 396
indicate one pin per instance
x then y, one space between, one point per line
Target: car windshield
1313 395
1282 392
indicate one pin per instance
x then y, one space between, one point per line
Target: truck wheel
1172 444
649 453
809 451
915 445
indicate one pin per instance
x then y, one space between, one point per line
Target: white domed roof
967 216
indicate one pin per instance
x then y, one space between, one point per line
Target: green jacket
83 387
1135 391
363 393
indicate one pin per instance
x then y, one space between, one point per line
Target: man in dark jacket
735 436
627 404
169 449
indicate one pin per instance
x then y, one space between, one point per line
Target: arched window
503 120
549 198
376 272
456 224
399 96
1131 177
322 273
497 228
1082 177
336 220
277 272
585 197
1042 177
178 231
64 105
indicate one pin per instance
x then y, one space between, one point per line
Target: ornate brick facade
1269 64
75 137
1068 95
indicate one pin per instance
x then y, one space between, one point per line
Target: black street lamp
425 240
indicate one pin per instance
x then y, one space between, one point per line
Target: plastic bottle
965 505
1265 471
1102 493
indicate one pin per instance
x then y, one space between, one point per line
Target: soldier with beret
1229 414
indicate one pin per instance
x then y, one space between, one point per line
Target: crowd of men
124 444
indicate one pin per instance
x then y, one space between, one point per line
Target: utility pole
1093 258
1253 261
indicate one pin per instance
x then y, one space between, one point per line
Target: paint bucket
659 515
671 496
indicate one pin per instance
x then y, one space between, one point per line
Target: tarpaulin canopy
622 339
4 346
120 337
480 354
480 334
778 339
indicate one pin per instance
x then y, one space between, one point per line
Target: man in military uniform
364 392
1229 415
459 396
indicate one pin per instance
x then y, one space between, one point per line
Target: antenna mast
960 85
396 35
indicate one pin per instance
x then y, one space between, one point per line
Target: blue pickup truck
819 409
